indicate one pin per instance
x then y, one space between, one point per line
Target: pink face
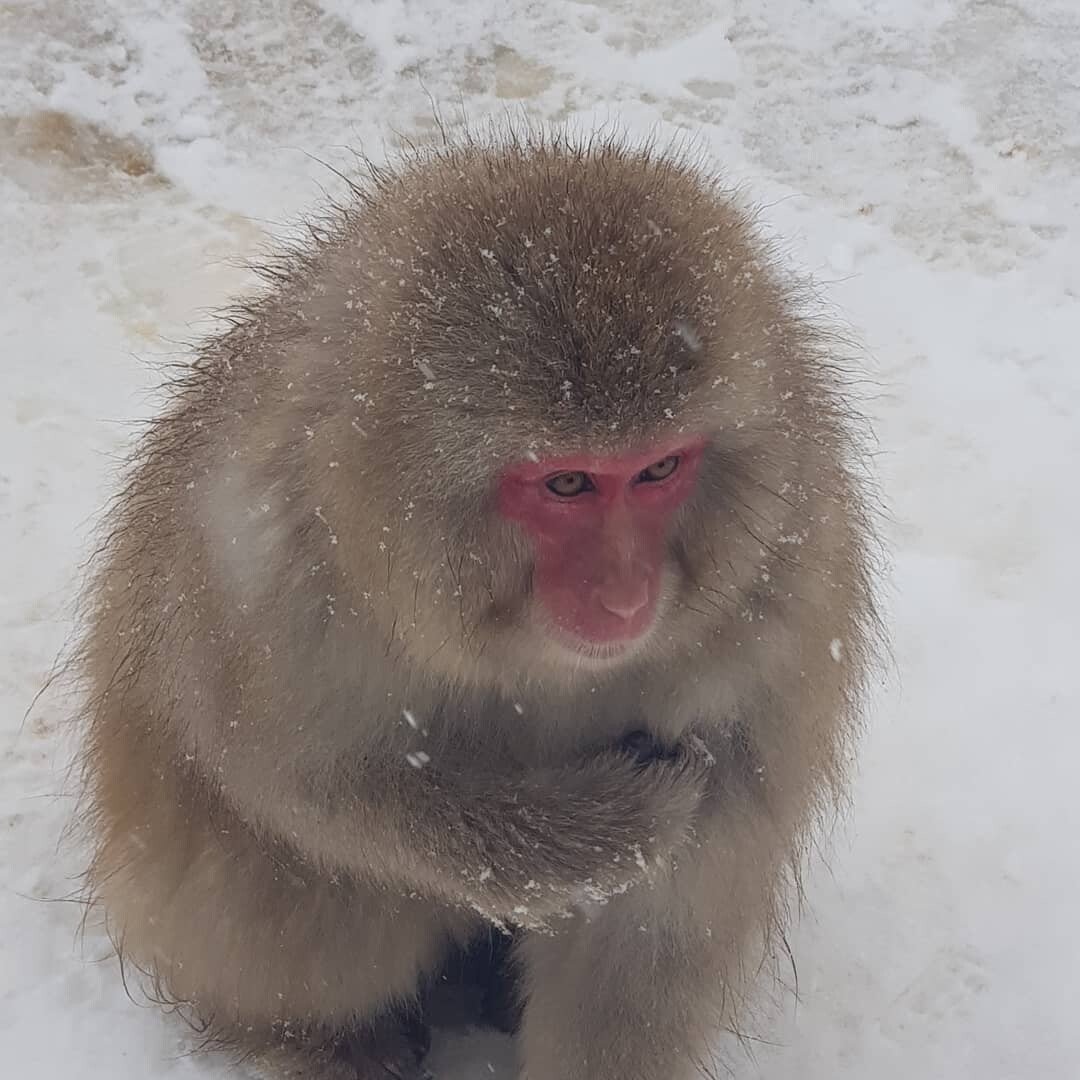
600 527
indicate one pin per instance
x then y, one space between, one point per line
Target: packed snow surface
920 157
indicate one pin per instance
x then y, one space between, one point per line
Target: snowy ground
922 157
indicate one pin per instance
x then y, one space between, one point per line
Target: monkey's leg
388 1049
638 989
318 973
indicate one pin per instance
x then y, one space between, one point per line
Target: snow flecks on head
417 759
836 649
333 535
690 337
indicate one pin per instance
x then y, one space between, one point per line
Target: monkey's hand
646 748
585 834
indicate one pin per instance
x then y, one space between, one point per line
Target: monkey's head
571 411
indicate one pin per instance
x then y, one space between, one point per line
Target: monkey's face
599 529
564 567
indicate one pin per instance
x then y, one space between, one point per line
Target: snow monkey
499 577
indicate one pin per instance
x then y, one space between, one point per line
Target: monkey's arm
521 848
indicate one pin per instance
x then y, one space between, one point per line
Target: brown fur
304 586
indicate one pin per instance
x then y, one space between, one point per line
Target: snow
920 157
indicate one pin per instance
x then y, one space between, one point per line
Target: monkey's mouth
598 652
591 656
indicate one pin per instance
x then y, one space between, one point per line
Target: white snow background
922 160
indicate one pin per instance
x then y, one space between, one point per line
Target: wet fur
302 587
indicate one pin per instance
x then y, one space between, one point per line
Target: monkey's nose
625 602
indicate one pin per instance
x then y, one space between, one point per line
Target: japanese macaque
500 577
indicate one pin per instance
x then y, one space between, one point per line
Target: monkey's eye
661 470
568 484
